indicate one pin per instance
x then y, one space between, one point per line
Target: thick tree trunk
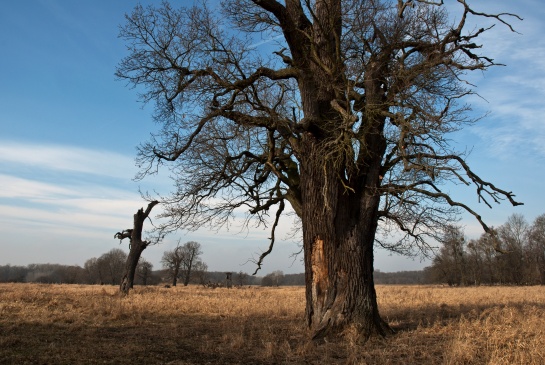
338 232
338 185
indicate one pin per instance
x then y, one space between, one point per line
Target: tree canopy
232 115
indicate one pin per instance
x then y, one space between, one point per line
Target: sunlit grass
68 324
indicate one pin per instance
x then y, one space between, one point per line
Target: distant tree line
513 255
400 277
276 278
42 273
183 263
106 269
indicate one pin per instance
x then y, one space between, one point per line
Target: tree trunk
175 277
339 193
127 281
338 233
137 246
341 201
187 276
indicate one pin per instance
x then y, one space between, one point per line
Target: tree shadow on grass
182 339
222 339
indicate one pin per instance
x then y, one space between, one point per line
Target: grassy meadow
79 324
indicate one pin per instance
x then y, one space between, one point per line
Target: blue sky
68 133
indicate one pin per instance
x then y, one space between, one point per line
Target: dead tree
136 246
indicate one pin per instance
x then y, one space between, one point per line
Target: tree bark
175 276
137 246
338 233
127 281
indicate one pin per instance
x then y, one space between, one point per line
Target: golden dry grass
77 324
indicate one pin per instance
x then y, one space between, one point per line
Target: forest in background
112 272
513 255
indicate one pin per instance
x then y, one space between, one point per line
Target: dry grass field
73 324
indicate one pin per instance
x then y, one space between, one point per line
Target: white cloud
19 188
46 220
86 197
54 208
67 158
61 195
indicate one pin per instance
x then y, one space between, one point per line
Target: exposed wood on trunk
319 268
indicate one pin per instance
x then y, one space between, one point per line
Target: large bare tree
339 108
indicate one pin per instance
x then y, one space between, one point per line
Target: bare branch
123 234
272 238
498 17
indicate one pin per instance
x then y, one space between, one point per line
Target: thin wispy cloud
66 158
87 206
515 125
265 41
18 188
81 197
513 94
47 220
